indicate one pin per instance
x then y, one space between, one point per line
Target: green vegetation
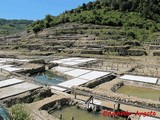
146 93
19 112
141 14
13 26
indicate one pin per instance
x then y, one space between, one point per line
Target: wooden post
118 107
114 109
75 95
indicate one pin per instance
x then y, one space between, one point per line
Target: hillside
13 26
125 13
96 28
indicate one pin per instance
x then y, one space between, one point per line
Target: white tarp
139 78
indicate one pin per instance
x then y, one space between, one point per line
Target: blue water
4 115
48 77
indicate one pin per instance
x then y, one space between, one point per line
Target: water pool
80 114
4 115
140 92
48 77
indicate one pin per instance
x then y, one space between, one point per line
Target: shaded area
140 92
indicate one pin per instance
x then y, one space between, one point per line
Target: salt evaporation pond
48 78
4 115
80 114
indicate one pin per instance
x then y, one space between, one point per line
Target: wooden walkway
104 98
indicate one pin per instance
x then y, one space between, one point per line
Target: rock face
28 97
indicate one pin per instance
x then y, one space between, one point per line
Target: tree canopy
138 13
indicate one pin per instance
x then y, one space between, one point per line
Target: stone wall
38 61
28 97
33 70
92 51
56 104
94 83
140 84
120 98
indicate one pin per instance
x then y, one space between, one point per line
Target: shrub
19 112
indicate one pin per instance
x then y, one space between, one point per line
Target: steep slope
128 13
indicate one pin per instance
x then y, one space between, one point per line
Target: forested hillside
143 14
13 26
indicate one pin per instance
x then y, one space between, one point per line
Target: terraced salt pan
7 59
139 78
12 69
94 75
58 61
62 69
73 61
58 88
158 82
64 60
10 82
148 118
77 72
72 82
5 66
85 60
22 60
16 89
81 76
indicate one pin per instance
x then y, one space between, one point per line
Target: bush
19 112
